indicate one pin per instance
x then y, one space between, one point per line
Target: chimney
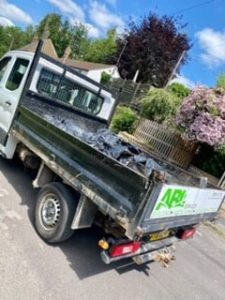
66 54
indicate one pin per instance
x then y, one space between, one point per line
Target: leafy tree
14 38
101 50
221 81
64 35
28 34
159 105
210 160
202 116
180 90
152 46
5 43
80 42
58 32
124 120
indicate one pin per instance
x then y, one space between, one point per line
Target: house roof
48 48
85 65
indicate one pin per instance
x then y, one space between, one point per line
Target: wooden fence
166 143
128 92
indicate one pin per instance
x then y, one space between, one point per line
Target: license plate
159 235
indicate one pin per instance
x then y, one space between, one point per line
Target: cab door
13 71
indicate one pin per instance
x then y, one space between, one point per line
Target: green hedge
124 120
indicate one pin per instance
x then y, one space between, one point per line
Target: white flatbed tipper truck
49 117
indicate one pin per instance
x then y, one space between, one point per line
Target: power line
193 7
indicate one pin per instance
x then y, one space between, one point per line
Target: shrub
180 90
159 105
124 120
105 78
202 116
210 160
221 81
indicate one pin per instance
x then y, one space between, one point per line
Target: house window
68 91
17 74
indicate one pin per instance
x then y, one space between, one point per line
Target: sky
205 25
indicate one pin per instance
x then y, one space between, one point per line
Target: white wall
113 71
97 74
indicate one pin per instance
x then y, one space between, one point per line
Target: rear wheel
54 212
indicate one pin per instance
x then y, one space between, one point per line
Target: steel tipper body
139 204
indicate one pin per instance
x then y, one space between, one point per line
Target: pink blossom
202 116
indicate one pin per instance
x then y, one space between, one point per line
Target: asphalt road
31 269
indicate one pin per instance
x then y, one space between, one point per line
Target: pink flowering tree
202 116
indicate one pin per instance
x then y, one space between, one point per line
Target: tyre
54 212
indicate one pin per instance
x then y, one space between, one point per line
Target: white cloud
104 18
212 43
101 18
75 14
14 13
6 22
185 81
93 31
72 10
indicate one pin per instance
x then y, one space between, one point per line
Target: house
90 69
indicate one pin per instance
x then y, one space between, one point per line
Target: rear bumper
146 253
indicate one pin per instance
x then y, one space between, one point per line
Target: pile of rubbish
113 146
110 144
127 154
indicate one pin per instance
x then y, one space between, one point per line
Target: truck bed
54 131
90 130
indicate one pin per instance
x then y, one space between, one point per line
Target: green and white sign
176 200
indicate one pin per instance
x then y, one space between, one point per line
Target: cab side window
69 91
3 66
17 73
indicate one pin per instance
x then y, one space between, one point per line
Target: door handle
8 103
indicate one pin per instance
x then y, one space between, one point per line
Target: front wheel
54 212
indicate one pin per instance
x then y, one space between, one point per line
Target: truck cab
14 68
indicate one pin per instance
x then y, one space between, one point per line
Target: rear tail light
187 234
124 249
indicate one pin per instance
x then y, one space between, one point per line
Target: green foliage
211 161
124 120
153 46
14 38
101 50
221 81
159 105
63 35
105 78
80 41
180 90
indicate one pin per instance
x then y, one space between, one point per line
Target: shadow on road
81 250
